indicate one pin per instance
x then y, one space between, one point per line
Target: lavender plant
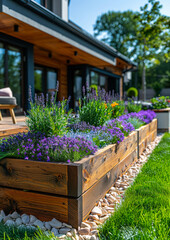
48 116
144 116
35 146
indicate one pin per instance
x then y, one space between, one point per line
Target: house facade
40 46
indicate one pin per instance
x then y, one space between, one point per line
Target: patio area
7 127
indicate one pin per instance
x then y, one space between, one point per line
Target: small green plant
47 116
133 107
95 112
118 108
160 102
135 122
132 92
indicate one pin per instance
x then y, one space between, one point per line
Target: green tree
140 35
115 28
152 36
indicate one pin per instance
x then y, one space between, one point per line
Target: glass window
2 66
77 90
11 71
51 80
14 72
45 3
38 80
102 81
94 78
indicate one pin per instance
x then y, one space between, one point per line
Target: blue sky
85 12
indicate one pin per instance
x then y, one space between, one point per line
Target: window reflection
45 3
2 76
14 72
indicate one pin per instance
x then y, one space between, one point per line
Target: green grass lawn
13 233
145 212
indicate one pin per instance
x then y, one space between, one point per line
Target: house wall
60 7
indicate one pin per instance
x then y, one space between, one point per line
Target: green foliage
14 233
50 120
114 28
133 107
145 212
117 108
157 87
160 102
94 112
136 122
132 92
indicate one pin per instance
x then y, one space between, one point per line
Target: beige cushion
6 92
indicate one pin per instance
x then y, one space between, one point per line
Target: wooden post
121 88
0 116
12 115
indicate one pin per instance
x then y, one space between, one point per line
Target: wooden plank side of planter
144 140
153 125
43 206
99 189
143 133
34 176
98 165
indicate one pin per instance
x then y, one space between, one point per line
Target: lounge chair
7 101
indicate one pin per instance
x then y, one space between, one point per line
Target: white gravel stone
67 225
2 214
39 224
47 226
93 237
54 231
32 219
15 215
6 218
84 231
25 218
10 223
18 221
55 223
96 211
64 230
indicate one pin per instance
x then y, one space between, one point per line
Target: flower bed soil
65 191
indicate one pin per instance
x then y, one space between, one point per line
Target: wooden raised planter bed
163 116
64 191
146 135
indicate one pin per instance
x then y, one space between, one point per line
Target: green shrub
160 102
132 92
117 108
133 107
95 112
47 116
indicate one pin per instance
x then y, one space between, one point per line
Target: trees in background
143 36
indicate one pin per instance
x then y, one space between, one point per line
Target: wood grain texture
43 206
8 130
95 167
33 175
99 189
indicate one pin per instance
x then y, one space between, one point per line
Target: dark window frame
44 3
6 46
